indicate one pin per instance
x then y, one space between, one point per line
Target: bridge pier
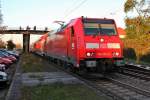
25 32
26 42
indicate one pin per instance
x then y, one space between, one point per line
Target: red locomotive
85 43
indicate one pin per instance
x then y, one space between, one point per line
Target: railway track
121 86
135 71
132 83
117 86
121 91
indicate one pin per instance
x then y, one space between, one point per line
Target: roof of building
121 31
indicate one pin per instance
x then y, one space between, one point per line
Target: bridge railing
25 28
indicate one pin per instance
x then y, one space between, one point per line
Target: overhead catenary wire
74 8
74 3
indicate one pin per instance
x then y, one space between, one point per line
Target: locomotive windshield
98 28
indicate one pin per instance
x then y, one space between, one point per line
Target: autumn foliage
137 27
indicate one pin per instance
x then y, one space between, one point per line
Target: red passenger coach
86 43
40 45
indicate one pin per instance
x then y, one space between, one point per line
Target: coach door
71 44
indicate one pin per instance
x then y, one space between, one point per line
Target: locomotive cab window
72 31
99 29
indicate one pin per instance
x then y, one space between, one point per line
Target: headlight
115 54
113 45
102 40
88 54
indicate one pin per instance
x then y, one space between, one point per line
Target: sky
43 13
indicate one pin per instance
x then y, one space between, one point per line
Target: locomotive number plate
91 63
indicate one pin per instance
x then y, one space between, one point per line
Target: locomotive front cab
103 47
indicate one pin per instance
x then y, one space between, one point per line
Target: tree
18 46
2 44
10 45
138 27
137 6
139 24
141 45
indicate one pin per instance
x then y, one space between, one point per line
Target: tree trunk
137 58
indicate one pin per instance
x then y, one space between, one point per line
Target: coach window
72 31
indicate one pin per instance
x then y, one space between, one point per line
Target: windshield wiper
99 28
95 34
98 31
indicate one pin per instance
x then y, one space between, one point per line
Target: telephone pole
1 19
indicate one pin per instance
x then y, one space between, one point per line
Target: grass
60 92
31 63
57 91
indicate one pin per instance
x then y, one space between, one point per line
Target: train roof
86 20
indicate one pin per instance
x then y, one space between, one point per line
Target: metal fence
24 28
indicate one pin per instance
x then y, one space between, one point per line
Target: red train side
39 45
86 43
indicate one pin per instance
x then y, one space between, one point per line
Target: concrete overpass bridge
25 31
